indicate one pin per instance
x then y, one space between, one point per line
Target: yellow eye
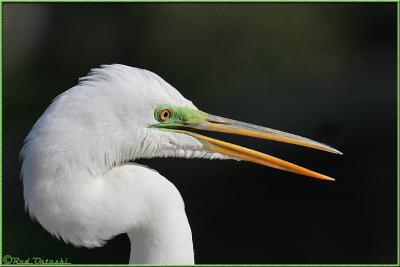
165 114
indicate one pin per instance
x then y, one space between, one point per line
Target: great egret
79 180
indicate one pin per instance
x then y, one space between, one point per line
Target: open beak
188 120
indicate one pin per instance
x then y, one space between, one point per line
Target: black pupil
165 115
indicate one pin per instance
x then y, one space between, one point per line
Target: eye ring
165 114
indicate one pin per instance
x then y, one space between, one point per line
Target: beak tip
324 177
337 151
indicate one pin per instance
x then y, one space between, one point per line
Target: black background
324 71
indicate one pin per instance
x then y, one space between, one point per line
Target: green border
205 265
200 1
1 132
205 1
398 138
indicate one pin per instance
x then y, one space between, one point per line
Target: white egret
80 180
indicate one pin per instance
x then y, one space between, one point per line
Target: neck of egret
80 182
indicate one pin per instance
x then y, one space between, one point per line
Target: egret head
119 113
114 115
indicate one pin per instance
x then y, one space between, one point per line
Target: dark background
324 71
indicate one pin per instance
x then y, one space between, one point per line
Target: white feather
77 182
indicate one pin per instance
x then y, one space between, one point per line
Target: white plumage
77 182
79 185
